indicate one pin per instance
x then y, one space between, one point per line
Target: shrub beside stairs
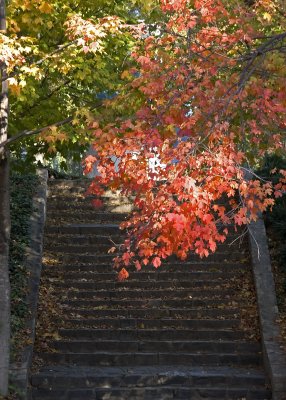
188 330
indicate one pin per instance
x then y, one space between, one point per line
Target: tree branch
26 133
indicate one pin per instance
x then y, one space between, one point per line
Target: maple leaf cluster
89 34
209 100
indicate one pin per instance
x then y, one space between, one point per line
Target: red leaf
156 262
122 275
97 203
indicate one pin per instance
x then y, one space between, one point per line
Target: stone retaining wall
274 355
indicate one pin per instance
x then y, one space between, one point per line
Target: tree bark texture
4 226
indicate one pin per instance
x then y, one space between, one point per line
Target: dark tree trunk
4 227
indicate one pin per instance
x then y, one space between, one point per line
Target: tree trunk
4 277
4 227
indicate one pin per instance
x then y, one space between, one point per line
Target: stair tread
151 370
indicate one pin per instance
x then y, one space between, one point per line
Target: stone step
74 377
64 188
74 186
169 267
150 334
67 257
82 203
141 276
85 284
88 215
81 246
157 358
157 303
96 237
151 323
69 183
92 347
151 393
193 313
183 294
105 229
84 229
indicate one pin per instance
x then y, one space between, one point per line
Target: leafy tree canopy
189 115
205 103
63 57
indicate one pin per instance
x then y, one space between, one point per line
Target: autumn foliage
201 100
205 101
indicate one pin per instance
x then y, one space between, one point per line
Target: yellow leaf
14 27
26 19
65 68
38 21
75 121
46 8
81 75
125 74
61 136
267 16
15 89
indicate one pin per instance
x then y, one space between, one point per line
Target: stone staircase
188 330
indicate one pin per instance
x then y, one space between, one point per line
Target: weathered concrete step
69 198
157 358
107 241
150 334
86 215
82 239
79 346
96 237
67 257
153 276
74 377
179 267
79 248
77 209
66 188
147 393
69 183
76 204
152 312
144 323
75 186
79 203
85 284
157 303
91 228
154 294
83 229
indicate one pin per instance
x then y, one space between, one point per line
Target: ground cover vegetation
22 188
181 100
